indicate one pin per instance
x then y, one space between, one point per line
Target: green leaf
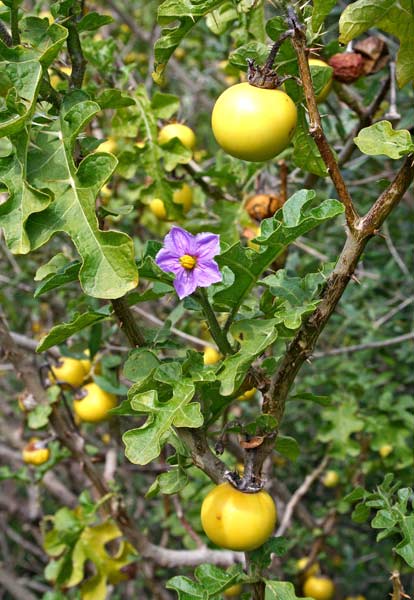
287 446
39 416
172 481
187 14
341 421
406 547
396 18
140 364
297 217
361 513
16 474
62 276
93 21
321 9
253 50
164 105
322 400
211 580
114 99
218 21
381 138
262 557
254 335
60 333
144 443
306 154
108 268
281 590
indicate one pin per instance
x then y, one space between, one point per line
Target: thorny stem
14 24
127 322
76 55
218 336
315 123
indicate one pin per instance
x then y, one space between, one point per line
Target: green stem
218 336
76 56
14 24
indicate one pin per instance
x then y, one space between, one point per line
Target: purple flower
190 258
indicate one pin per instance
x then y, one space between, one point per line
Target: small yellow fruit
179 53
95 405
330 479
180 131
184 196
106 438
69 370
312 570
109 145
359 597
319 588
125 28
248 394
385 450
323 94
234 590
35 452
157 207
211 356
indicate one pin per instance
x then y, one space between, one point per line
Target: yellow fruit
253 123
125 28
35 452
109 145
359 597
179 53
385 450
106 438
95 405
211 356
157 208
330 479
68 370
248 394
319 588
234 590
180 131
45 14
312 570
323 94
237 520
184 196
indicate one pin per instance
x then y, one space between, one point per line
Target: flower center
188 262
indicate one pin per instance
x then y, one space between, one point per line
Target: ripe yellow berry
35 452
211 356
157 208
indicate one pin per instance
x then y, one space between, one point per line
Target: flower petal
168 261
180 242
185 283
207 273
208 245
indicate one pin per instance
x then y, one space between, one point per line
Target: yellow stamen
188 262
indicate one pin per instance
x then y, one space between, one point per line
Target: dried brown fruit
262 206
374 52
347 66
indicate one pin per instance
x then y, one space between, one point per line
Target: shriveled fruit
35 452
262 206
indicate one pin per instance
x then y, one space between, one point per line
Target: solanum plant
205 305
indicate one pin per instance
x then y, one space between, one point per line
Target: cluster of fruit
91 405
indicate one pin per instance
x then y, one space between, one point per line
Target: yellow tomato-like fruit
248 394
184 196
69 370
211 356
323 94
157 207
180 131
109 145
179 53
35 453
237 520
330 479
359 597
95 405
312 570
319 588
385 450
234 590
253 123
